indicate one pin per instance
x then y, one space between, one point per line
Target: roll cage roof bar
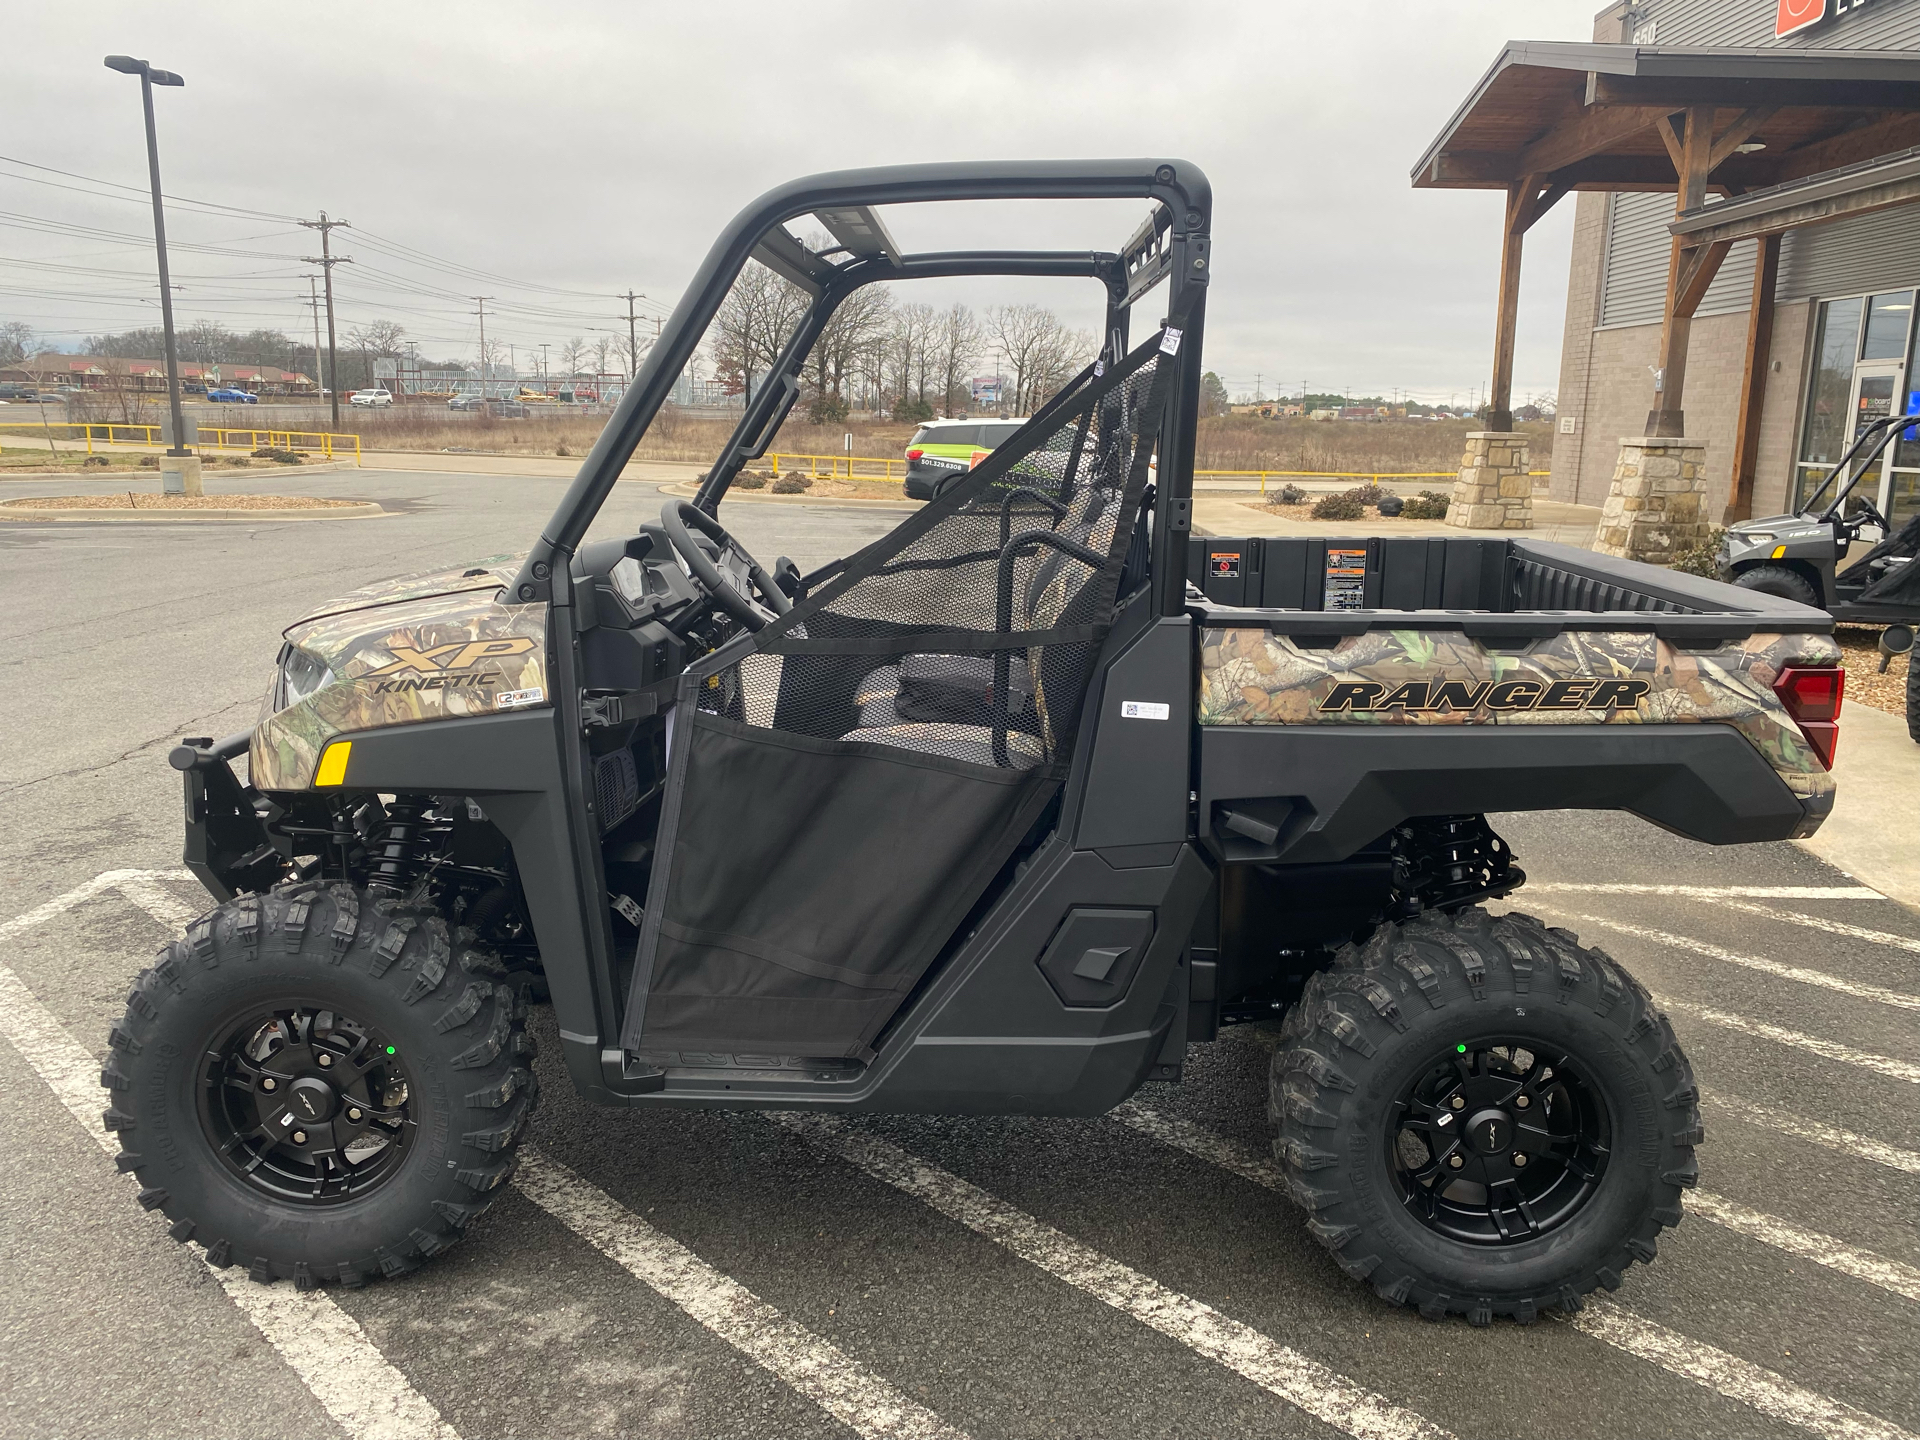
1173 242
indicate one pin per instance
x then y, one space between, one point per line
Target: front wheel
1482 1117
1780 582
320 1084
1913 699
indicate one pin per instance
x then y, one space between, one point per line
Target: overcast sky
599 147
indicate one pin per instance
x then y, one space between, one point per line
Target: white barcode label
1145 710
1170 342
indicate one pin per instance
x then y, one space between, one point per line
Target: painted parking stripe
1715 892
1257 1165
1889 1275
1827 1049
1770 1393
144 890
325 1347
1880 994
1276 1368
818 1369
1832 927
60 904
1844 1142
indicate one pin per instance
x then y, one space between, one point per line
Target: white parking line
1716 892
1827 1049
60 904
325 1347
818 1369
1844 1142
1899 999
162 904
1276 1368
1832 927
1889 1275
1260 1167
1769 1393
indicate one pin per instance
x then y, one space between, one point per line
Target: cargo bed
1347 683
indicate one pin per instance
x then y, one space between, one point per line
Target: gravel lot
731 1274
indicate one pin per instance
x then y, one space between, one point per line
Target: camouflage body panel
1251 676
496 572
403 653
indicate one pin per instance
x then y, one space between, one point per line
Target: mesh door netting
850 786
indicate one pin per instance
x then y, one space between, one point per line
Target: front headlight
1755 537
301 675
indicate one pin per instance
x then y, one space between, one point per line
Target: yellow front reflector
1779 553
333 764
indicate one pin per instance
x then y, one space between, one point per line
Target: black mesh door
839 797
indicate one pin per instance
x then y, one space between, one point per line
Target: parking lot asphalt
718 1274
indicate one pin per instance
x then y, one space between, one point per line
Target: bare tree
16 341
843 351
1044 354
602 349
753 325
956 343
907 343
571 354
379 338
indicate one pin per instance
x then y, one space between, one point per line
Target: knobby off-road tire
337 988
1781 582
1348 1096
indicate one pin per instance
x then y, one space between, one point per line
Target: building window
1862 359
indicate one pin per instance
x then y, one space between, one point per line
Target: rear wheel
1482 1117
1913 698
320 1085
1778 580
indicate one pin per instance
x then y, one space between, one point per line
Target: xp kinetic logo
1792 16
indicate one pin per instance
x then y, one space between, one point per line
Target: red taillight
1811 695
915 454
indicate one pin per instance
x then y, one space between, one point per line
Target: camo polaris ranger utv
998 814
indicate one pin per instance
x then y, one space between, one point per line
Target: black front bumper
228 846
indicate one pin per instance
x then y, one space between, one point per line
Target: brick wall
1583 310
1618 390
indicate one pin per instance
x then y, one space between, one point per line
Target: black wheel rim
306 1104
1498 1142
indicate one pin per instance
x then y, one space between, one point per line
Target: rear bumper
923 479
1329 790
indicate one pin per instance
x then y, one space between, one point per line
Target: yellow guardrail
839 467
211 437
329 446
92 434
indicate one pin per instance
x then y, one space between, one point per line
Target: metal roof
1537 91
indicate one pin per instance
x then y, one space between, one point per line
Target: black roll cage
1172 243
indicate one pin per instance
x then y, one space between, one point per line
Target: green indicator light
390 1049
1461 1048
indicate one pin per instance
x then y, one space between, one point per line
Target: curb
365 511
323 468
687 490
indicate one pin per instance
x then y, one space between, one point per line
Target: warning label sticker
1346 580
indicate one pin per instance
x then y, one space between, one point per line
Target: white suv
370 397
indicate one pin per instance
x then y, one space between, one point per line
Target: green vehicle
942 451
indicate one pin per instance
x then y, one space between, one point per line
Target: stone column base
1493 491
1658 501
180 475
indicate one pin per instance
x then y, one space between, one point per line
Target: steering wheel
734 589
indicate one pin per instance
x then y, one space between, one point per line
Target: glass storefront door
1858 376
1876 390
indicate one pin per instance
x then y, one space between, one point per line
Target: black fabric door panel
812 879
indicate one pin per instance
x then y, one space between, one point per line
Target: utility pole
313 299
543 367
482 313
633 339
326 261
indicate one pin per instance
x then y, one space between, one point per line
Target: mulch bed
1860 653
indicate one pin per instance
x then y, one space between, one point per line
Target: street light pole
150 77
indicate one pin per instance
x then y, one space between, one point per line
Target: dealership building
1744 176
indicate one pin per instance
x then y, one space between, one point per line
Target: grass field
1227 443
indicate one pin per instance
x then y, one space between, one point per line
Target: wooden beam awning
1880 184
1595 117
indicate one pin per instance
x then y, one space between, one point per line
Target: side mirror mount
786 575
